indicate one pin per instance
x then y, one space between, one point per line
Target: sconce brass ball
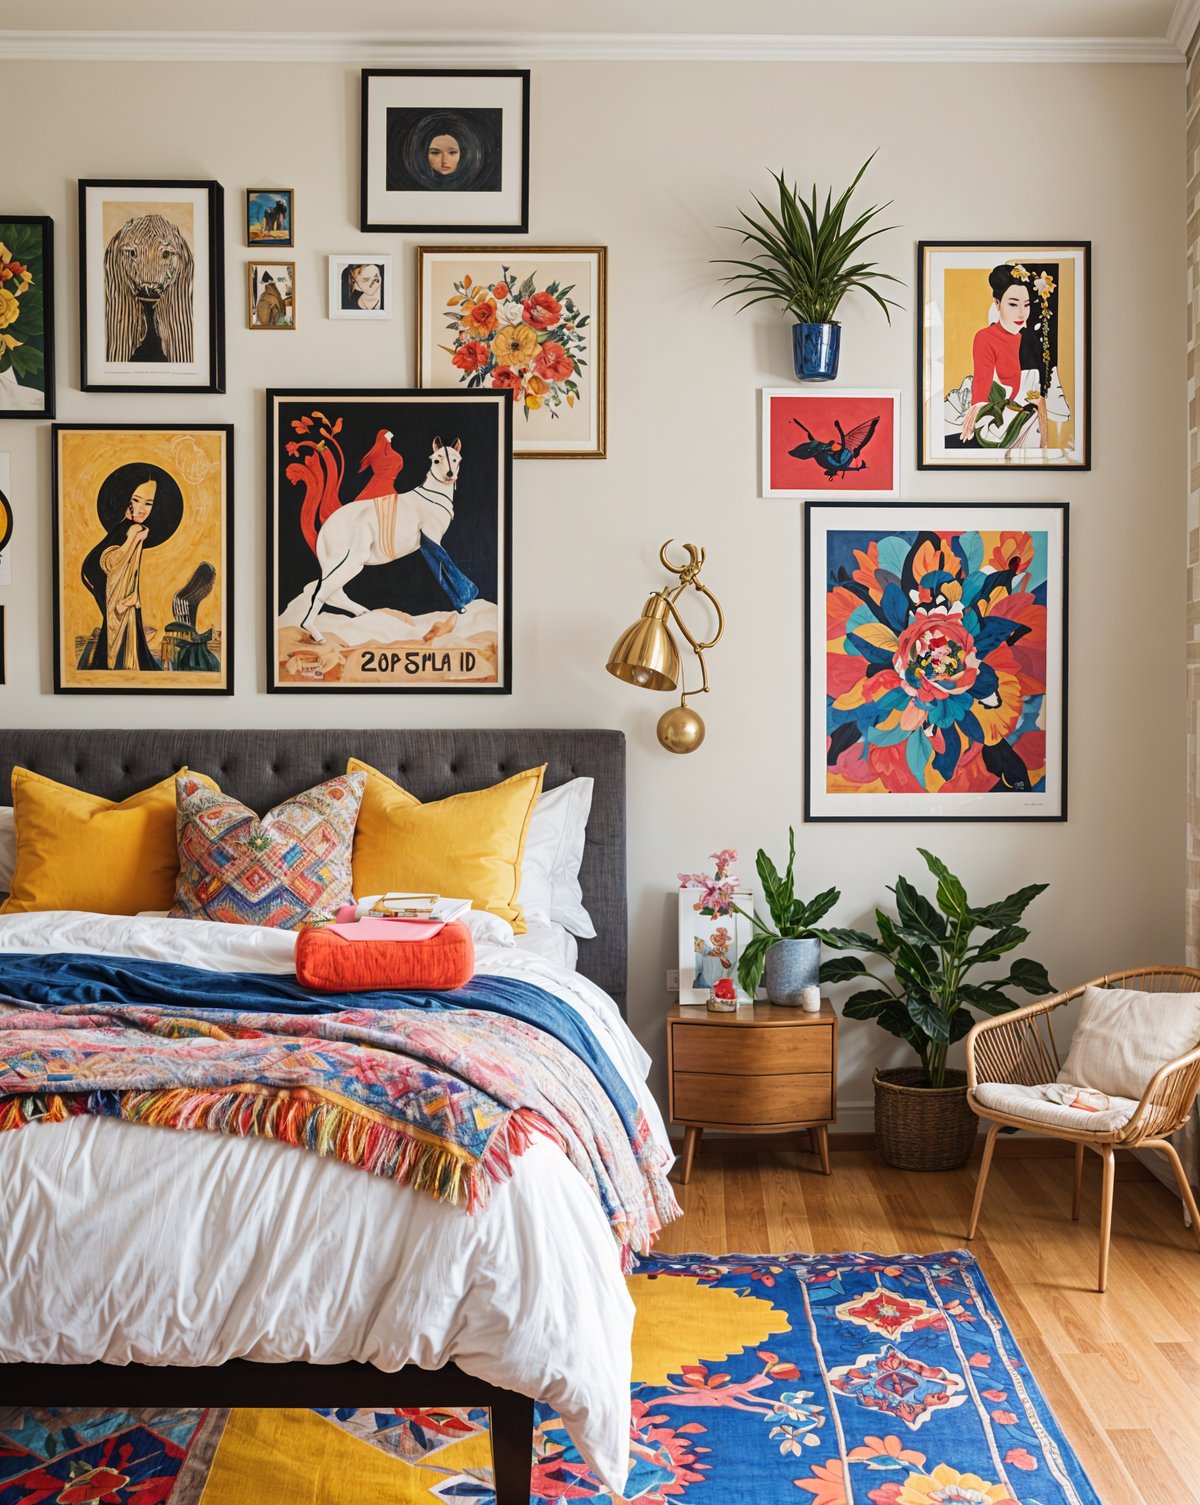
681 730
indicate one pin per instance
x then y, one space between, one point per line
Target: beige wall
649 159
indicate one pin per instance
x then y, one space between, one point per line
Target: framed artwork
530 321
361 286
389 554
143 567
271 294
3 650
6 521
936 678
840 445
26 316
270 217
151 286
1004 370
445 149
710 946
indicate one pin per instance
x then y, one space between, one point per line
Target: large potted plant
808 260
922 1118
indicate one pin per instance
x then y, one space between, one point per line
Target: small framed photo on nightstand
710 946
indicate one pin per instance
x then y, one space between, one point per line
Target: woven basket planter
923 1128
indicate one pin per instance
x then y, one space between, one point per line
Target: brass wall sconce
646 655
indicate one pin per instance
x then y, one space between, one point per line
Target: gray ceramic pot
790 966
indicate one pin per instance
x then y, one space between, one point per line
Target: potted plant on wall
922 1118
807 260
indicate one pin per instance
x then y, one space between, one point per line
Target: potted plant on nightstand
806 260
786 954
922 1119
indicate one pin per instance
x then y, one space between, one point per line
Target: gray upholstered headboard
260 768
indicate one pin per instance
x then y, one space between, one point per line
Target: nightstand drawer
714 1098
752 1051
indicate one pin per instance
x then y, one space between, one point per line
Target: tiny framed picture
531 321
360 286
270 217
271 294
840 445
26 316
151 286
1004 372
710 946
143 567
6 521
445 149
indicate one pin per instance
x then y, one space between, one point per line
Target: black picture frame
228 594
468 224
924 459
846 515
213 330
45 224
329 401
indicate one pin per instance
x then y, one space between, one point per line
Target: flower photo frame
26 316
710 945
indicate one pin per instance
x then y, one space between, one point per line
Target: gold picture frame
270 296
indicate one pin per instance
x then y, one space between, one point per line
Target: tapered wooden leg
821 1135
1106 1204
985 1165
512 1447
1075 1200
691 1143
1185 1190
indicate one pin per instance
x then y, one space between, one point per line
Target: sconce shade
645 654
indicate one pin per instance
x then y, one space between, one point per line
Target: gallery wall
649 159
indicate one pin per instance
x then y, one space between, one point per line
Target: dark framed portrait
151 286
143 567
445 149
389 527
26 316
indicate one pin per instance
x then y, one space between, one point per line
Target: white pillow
8 846
1123 1037
550 891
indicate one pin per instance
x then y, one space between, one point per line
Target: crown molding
427 48
1185 20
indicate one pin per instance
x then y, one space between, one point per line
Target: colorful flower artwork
940 691
26 316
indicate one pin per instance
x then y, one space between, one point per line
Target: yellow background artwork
196 459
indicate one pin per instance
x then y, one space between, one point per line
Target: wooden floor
1121 1371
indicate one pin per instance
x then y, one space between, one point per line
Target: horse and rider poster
389 554
151 286
142 517
841 445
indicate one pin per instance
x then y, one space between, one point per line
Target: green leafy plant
793 919
806 256
931 948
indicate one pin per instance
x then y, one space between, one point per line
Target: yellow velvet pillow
81 851
468 846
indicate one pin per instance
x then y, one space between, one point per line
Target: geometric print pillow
291 866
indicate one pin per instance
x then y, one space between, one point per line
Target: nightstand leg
691 1142
821 1135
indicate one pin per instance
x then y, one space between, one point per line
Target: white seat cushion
1122 1038
1031 1104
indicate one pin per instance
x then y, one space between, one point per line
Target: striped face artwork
148 307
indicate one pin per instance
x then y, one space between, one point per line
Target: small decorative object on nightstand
761 1070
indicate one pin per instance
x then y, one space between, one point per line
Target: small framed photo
445 149
271 291
710 946
270 217
360 286
151 286
840 445
1004 373
26 316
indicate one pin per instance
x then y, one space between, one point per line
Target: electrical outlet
673 980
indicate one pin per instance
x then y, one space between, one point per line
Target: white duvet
127 1243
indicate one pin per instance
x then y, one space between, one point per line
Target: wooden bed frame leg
512 1447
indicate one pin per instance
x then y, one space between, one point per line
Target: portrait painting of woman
1004 368
360 286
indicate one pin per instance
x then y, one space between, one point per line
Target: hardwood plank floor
1121 1370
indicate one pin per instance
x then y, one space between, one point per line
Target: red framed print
841 445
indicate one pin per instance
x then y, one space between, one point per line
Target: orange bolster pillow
328 963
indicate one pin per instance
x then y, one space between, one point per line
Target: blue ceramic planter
815 351
790 966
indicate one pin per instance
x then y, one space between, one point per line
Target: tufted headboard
260 768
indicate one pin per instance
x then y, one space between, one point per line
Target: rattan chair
1019 1049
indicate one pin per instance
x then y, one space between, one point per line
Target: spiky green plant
806 257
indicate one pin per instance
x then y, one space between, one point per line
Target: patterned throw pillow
290 867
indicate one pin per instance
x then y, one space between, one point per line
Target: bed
340 1319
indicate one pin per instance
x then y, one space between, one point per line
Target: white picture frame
346 270
695 927
822 470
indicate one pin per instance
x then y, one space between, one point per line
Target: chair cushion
1030 1104
1122 1038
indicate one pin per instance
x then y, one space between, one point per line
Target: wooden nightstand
762 1070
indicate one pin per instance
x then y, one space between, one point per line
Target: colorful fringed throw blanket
440 1094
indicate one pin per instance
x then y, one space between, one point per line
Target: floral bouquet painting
26 348
527 324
